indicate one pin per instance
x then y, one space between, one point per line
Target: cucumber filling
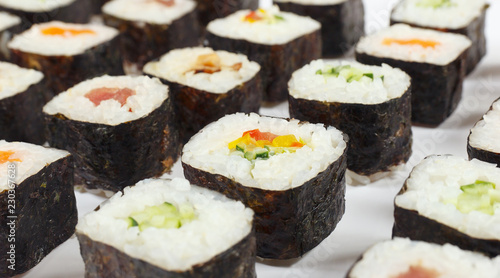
349 73
481 196
164 216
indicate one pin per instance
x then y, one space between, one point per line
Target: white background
368 218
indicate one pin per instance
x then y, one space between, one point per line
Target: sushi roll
163 228
40 11
38 205
206 85
67 53
152 27
292 174
21 102
280 42
403 258
434 60
342 21
482 141
372 104
447 199
209 10
9 25
456 16
120 130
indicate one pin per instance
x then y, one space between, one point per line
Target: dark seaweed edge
8 33
209 10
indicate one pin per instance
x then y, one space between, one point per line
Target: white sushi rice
150 93
35 5
148 11
394 257
33 159
283 31
306 84
8 20
219 225
458 15
436 181
208 150
484 135
449 48
178 66
15 80
34 41
312 2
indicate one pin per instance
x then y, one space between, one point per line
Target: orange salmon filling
58 31
423 43
5 157
101 94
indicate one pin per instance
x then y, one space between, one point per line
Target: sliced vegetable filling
349 73
5 156
66 32
481 196
99 95
254 144
435 4
262 15
211 63
164 216
423 43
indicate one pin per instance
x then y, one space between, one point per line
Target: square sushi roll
209 10
37 204
206 85
291 173
21 101
9 25
372 104
120 130
67 53
434 60
342 21
447 199
152 27
456 16
404 258
168 228
482 142
280 42
40 11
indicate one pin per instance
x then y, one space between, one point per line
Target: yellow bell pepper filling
5 157
262 15
58 31
423 43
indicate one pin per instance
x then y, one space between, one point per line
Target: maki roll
38 205
482 143
152 27
447 199
120 130
342 21
163 228
434 60
456 16
292 174
206 85
21 102
280 42
403 258
372 104
209 10
9 25
40 11
67 53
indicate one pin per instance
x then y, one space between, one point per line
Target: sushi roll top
402 42
15 80
484 135
8 20
35 5
263 26
109 100
149 11
61 39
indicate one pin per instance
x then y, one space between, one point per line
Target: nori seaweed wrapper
482 154
113 157
63 72
342 25
209 10
102 260
436 90
96 6
197 108
5 36
277 62
142 42
410 224
289 222
379 134
77 12
21 115
46 216
474 31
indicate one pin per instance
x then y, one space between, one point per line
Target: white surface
369 209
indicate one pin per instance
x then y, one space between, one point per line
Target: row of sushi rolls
106 96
